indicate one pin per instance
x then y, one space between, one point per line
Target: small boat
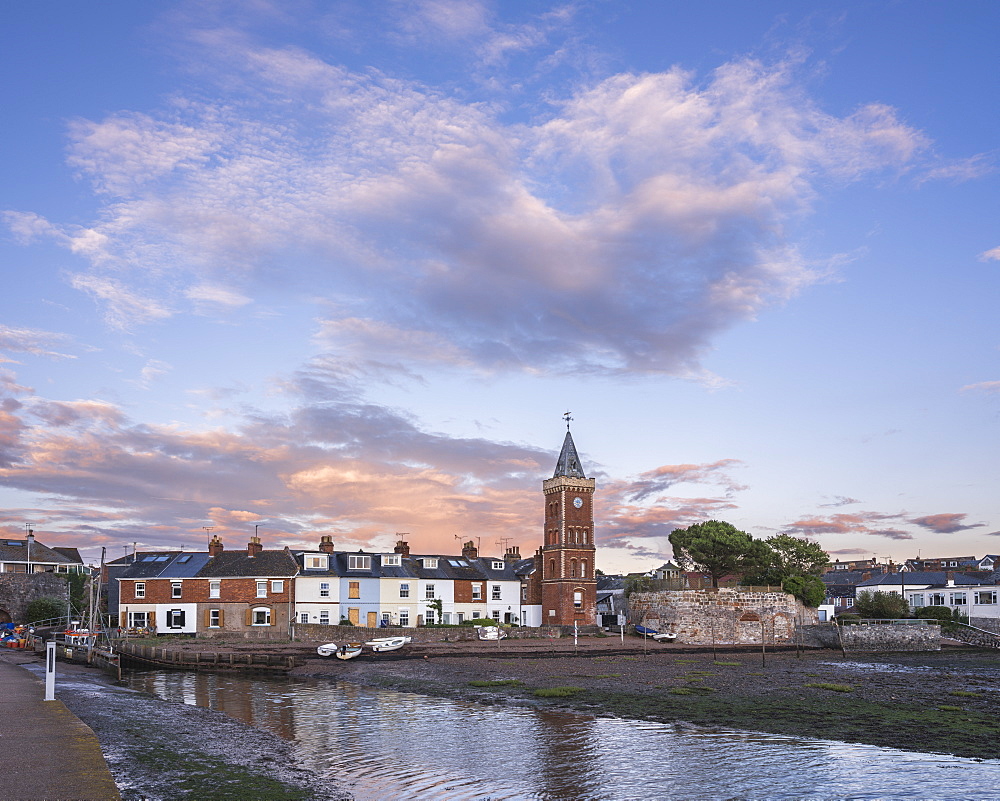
387 643
327 650
491 633
656 635
349 650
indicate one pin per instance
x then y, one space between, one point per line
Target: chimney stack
950 578
513 554
326 544
254 547
470 551
215 547
402 548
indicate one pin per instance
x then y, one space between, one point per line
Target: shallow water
381 744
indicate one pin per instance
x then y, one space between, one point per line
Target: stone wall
726 616
17 590
316 633
880 638
986 623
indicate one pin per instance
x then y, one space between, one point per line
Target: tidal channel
379 744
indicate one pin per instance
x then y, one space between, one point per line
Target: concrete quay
50 753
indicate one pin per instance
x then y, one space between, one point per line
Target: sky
340 268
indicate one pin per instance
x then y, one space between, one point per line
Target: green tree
44 609
809 589
637 584
789 556
881 605
717 548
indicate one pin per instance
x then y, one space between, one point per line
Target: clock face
578 502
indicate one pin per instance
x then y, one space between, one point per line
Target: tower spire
569 461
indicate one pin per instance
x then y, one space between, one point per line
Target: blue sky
339 268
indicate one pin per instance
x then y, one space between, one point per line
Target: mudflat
944 702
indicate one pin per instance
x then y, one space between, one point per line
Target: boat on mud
387 643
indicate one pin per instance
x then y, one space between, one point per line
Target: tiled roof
928 577
12 550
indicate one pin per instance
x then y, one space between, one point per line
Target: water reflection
381 744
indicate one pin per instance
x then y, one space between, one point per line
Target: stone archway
5 616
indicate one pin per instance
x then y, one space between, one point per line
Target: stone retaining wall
315 632
976 636
17 590
726 616
873 637
986 623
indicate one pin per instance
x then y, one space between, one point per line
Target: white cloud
30 340
990 255
983 386
644 216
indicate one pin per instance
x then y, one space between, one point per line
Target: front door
372 619
353 614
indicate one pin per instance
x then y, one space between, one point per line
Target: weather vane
567 418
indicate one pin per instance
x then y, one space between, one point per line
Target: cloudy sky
340 268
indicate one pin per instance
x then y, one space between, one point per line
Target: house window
175 589
140 591
262 589
324 589
304 617
495 614
937 599
137 620
578 600
316 562
429 617
386 619
958 599
214 618
359 563
986 597
429 592
214 589
572 568
495 593
583 568
524 592
175 619
391 560
404 617
404 590
261 616
477 592
460 616
277 586
354 589
917 600
476 615
498 565
552 613
324 617
431 564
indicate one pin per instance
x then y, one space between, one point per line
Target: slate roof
233 564
610 583
569 462
73 554
933 578
148 564
12 550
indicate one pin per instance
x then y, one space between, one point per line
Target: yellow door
372 619
352 615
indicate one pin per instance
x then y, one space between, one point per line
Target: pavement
49 754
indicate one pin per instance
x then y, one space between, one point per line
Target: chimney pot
326 544
215 547
402 548
254 547
469 550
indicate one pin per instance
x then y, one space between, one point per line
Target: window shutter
180 619
222 618
151 620
208 618
124 620
249 616
273 617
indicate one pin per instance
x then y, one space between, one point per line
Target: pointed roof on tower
569 462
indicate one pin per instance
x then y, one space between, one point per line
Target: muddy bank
938 702
162 750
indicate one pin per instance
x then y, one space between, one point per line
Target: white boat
387 643
349 650
491 633
329 649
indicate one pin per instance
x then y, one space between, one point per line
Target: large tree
717 548
786 557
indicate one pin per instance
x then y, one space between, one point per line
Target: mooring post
50 670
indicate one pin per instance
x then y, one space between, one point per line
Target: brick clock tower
569 588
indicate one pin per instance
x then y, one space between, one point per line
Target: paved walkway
49 754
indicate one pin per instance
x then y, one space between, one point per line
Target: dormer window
318 561
355 562
430 563
391 560
498 565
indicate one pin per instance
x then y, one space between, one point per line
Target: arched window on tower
572 568
583 568
552 568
